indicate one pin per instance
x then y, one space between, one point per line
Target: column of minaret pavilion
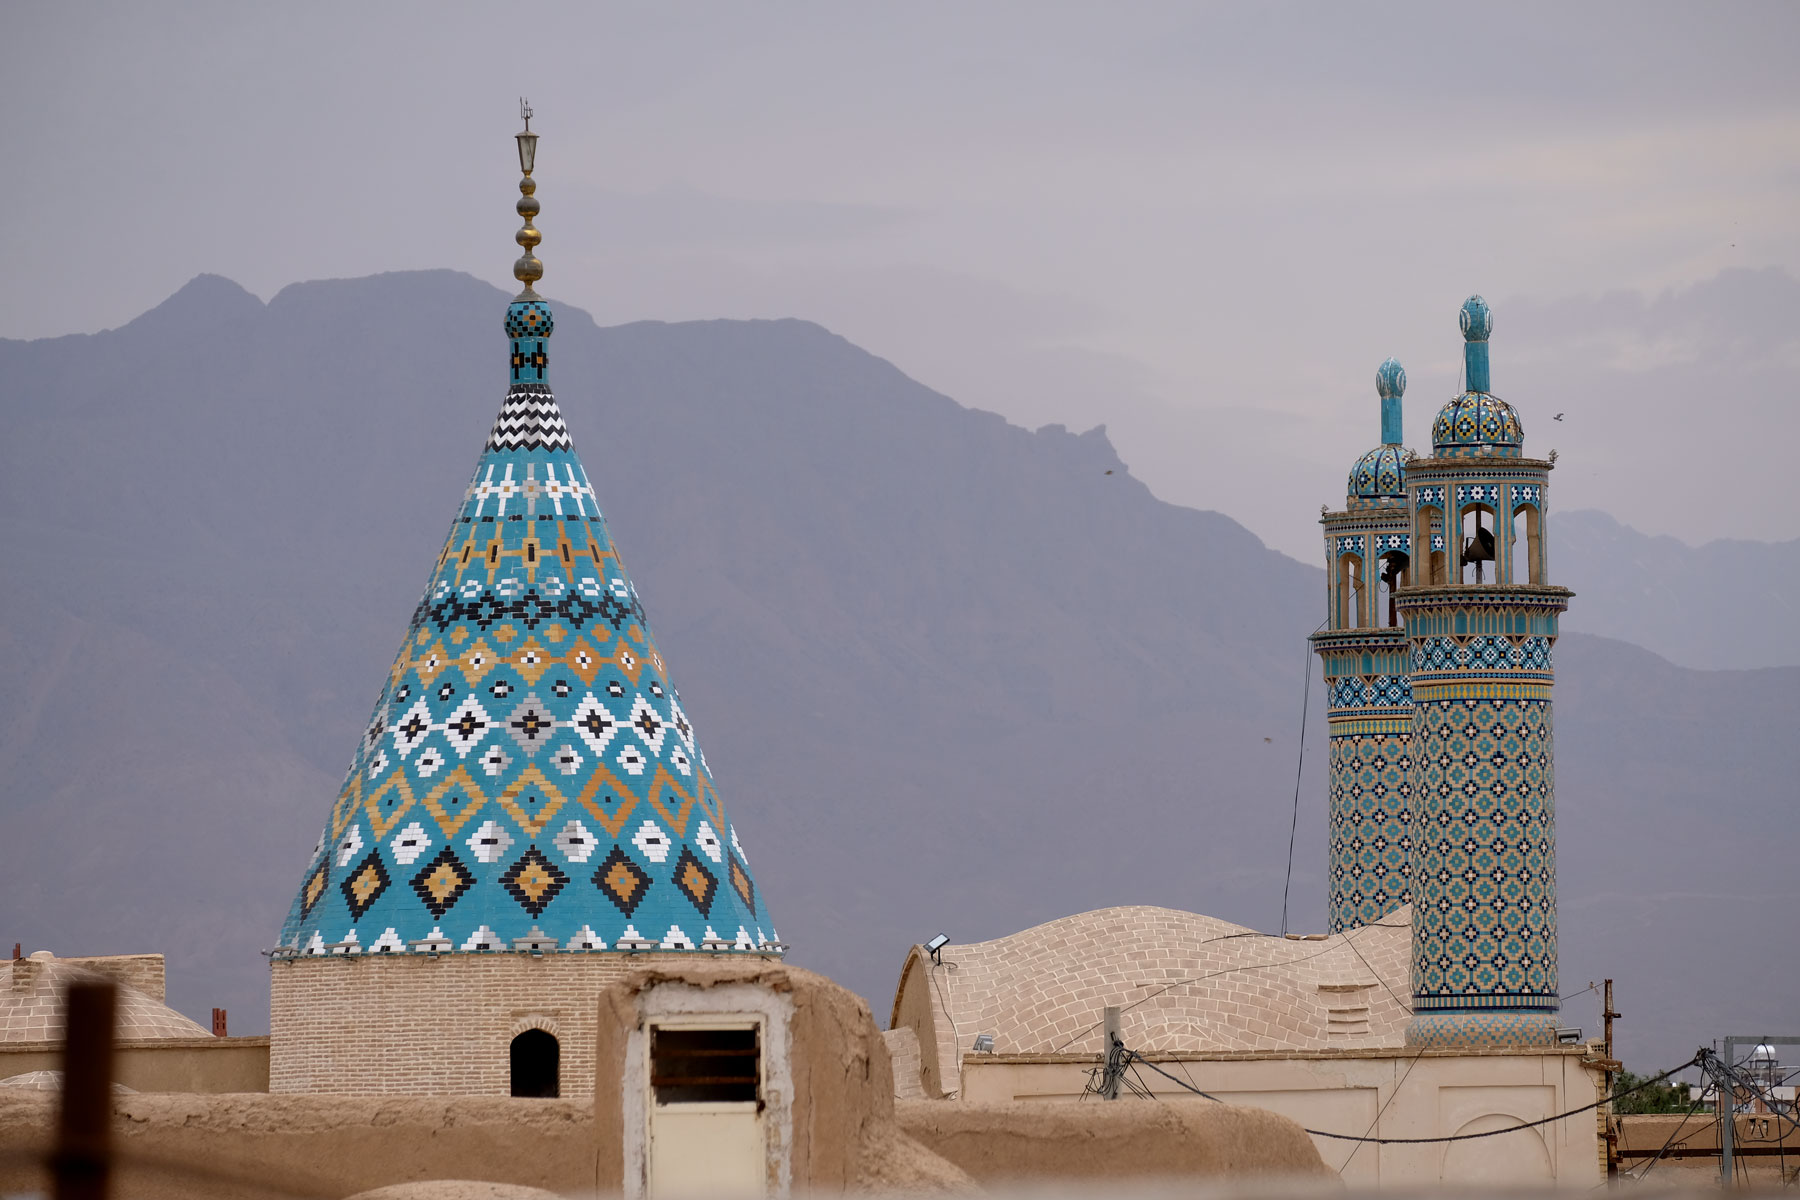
1438 665
528 807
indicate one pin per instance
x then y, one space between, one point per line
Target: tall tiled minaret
1367 692
1481 618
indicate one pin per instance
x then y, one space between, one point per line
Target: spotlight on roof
1569 1037
984 1043
936 946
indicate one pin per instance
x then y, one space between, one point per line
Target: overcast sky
1204 227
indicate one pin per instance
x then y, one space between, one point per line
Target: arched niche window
1350 591
1480 552
536 1065
1395 574
1430 521
1528 522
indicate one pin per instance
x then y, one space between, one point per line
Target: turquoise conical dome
528 780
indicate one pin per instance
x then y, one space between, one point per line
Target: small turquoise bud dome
528 319
1378 475
1477 320
1390 379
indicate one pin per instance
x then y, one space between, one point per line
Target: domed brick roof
31 1004
1186 982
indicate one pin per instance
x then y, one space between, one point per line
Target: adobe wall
1380 1093
228 1064
327 1146
837 1117
1066 1142
411 1024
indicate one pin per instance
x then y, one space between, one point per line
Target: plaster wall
410 1024
229 1064
1369 1093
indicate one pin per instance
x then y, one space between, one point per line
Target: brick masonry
415 1025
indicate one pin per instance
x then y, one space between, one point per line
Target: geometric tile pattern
1484 863
1481 1031
1476 422
1532 653
528 772
1369 829
1380 472
1370 691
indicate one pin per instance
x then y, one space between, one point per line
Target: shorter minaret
1481 621
1368 694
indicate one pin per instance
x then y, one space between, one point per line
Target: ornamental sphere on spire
1477 320
1390 379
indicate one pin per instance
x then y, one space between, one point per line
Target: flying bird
1558 417
1109 472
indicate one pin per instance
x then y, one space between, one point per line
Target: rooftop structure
1186 983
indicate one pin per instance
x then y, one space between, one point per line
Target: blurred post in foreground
81 1162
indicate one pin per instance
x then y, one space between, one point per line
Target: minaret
1481 618
1368 694
529 808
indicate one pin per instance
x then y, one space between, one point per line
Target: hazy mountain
951 674
1728 603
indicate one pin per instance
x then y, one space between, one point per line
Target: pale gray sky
1203 226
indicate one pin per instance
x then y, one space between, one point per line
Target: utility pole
1115 1053
1607 1015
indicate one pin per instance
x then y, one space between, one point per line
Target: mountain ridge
948 672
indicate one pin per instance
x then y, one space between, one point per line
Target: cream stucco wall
1372 1093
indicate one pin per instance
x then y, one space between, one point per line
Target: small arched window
536 1065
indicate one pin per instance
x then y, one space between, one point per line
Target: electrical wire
1405 1075
1079 1034
1135 1057
955 1034
1299 768
1404 1006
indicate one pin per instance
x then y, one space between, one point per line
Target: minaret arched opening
1478 561
1396 573
537 1065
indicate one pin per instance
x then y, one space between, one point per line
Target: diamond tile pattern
1484 860
1370 829
527 693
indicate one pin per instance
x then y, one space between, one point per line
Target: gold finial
527 270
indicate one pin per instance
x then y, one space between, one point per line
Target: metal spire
527 270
